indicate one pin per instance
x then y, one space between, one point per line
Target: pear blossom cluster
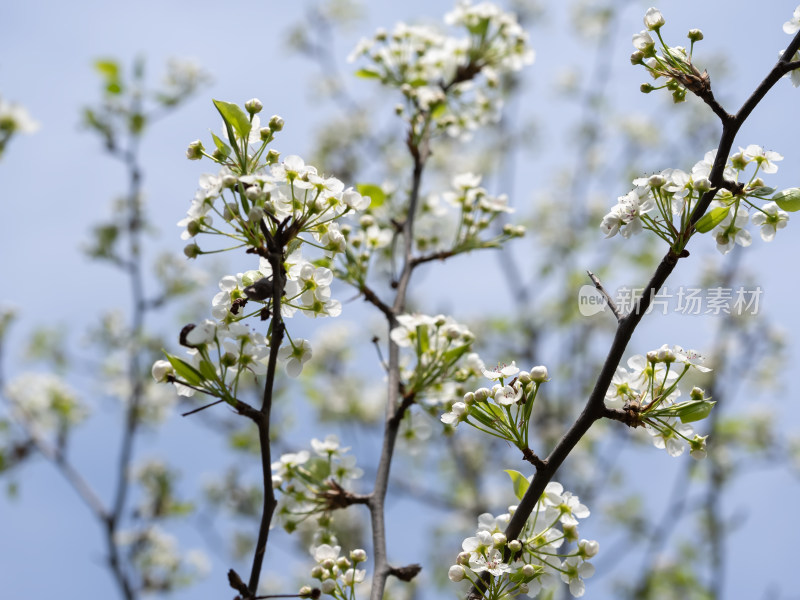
159 560
221 357
452 80
255 192
439 344
307 289
663 203
538 558
337 575
504 410
45 402
477 209
313 485
647 391
674 64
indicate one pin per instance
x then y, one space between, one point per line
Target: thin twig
602 290
419 151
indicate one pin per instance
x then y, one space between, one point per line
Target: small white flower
653 19
792 26
770 218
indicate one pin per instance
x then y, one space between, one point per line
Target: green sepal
520 483
712 218
234 117
788 199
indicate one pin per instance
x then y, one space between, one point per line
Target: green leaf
235 117
439 110
423 341
454 354
521 484
368 74
107 68
712 218
375 193
693 410
761 191
185 371
788 200
207 370
224 149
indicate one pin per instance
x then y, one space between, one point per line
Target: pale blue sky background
56 183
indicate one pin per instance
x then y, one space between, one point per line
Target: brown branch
442 255
595 408
262 418
372 298
419 151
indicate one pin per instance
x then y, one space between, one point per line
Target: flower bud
515 545
316 572
653 19
528 570
702 185
456 573
695 35
637 58
195 150
253 106
328 564
499 539
328 586
646 88
161 370
343 563
656 181
481 394
358 555
192 251
256 214
276 123
463 558
539 374
588 548
272 157
697 393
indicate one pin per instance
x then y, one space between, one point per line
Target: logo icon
590 301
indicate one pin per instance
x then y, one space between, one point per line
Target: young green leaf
185 371
788 199
521 484
712 218
375 192
235 117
